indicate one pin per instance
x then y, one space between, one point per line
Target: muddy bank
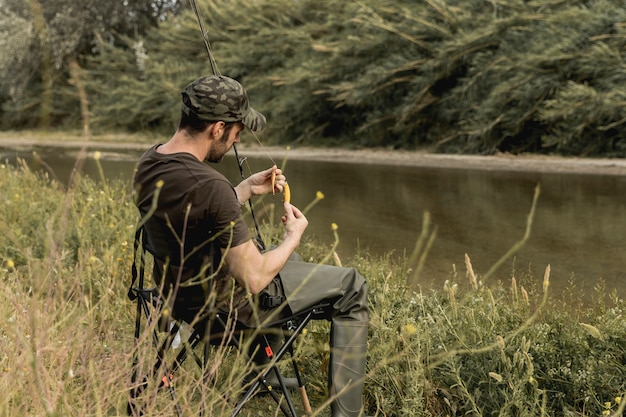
503 162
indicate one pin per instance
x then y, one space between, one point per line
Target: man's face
222 144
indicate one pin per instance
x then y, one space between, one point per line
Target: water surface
578 226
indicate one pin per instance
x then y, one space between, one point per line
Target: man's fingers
288 209
292 211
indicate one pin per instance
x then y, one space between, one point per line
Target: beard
214 158
219 149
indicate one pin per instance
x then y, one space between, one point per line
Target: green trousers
304 285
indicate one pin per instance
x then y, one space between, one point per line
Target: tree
39 38
457 76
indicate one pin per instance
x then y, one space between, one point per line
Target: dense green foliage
460 76
463 349
38 40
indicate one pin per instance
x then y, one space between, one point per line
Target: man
204 255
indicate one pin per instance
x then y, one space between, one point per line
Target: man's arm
254 270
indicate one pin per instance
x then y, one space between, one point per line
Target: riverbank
500 162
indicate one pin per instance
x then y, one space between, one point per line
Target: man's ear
215 129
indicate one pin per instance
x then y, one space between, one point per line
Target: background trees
39 38
444 75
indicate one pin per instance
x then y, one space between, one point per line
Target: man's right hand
254 270
294 221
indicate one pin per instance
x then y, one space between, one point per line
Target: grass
463 349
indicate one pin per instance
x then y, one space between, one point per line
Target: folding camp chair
217 329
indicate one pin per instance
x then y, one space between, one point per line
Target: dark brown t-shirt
191 209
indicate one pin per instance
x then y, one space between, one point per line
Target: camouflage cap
219 98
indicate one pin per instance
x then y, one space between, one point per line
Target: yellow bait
287 193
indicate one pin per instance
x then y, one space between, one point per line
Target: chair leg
207 377
264 356
301 388
285 391
133 408
259 380
272 366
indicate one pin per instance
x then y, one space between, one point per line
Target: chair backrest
137 271
168 272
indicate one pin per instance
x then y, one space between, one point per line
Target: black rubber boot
347 367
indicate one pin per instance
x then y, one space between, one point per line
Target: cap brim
254 120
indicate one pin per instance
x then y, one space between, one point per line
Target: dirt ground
501 162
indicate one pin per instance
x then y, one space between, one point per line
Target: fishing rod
213 63
240 161
205 38
302 389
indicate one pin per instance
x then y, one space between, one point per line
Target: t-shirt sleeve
218 200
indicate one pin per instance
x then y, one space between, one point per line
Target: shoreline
500 162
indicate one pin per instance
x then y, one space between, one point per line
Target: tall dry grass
475 347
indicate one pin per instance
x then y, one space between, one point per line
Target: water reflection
577 229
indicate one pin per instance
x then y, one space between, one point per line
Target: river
577 229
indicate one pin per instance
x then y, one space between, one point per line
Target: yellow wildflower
319 195
409 329
334 226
